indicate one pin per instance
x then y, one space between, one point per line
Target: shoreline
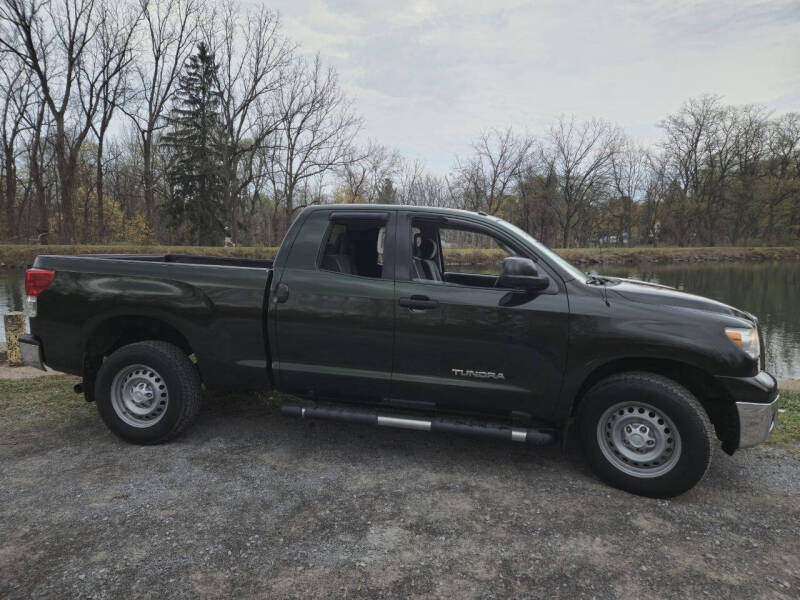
21 256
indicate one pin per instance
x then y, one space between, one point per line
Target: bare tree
418 187
659 183
698 146
315 132
52 39
629 170
171 27
410 183
365 173
783 170
37 157
484 179
749 151
719 165
581 154
536 187
252 56
111 56
17 94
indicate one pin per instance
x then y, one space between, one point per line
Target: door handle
418 303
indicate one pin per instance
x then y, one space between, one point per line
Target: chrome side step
357 414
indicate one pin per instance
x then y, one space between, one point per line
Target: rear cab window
354 247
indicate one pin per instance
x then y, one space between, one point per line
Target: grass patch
788 430
42 402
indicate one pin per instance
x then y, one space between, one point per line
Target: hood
654 293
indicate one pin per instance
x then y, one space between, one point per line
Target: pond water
771 291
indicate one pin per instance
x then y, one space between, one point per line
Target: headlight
745 338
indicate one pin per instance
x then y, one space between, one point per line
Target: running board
354 414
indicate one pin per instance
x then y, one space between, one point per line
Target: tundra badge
477 374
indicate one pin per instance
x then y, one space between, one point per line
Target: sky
428 76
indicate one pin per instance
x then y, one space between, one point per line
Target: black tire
680 461
161 368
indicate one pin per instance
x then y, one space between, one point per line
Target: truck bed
215 306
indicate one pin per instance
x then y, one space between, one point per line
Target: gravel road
249 503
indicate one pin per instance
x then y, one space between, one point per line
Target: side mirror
520 274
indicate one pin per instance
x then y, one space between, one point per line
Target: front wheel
646 434
147 392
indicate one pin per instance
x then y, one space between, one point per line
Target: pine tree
194 136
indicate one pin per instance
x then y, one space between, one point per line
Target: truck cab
385 310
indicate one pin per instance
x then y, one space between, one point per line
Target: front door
335 308
463 344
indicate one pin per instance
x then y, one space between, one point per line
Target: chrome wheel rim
638 439
139 396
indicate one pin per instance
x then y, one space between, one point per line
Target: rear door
463 344
334 305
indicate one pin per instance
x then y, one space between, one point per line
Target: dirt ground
249 503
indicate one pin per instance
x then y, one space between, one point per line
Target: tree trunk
84 234
289 207
275 226
41 200
66 176
147 176
11 193
36 177
234 220
232 184
99 188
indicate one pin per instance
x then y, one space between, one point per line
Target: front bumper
756 422
31 351
756 402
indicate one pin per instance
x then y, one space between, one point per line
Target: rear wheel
646 434
147 392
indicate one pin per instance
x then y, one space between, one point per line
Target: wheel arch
711 395
120 330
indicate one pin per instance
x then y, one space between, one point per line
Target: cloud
427 76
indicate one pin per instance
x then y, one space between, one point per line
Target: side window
472 252
354 248
455 255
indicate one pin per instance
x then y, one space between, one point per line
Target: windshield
545 252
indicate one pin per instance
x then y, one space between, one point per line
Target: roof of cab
403 207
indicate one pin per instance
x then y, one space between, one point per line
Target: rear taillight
35 282
38 279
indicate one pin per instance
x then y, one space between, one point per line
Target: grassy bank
21 256
49 402
624 256
788 430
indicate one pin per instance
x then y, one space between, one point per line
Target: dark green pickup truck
367 315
